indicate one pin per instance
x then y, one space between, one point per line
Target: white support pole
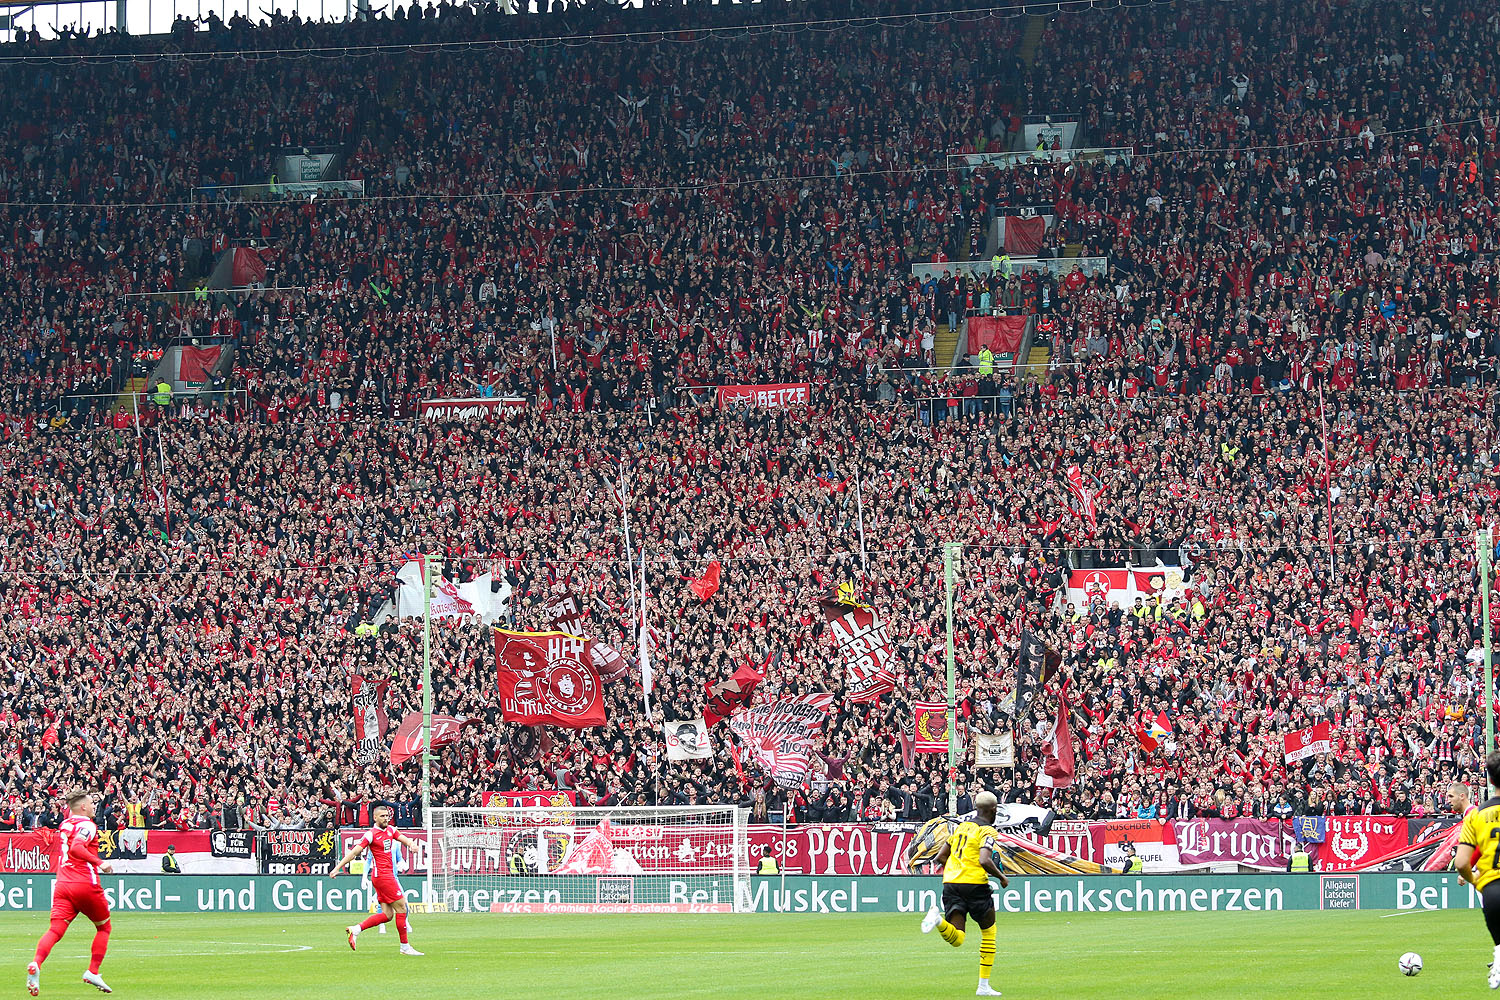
429 562
859 499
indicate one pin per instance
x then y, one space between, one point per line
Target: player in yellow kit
968 860
1476 861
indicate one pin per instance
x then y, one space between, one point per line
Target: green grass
1348 956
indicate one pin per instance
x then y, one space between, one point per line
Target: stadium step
943 346
1074 250
1037 361
1036 25
124 401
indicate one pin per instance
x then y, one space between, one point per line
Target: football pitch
1106 956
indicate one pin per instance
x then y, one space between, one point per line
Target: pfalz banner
766 397
832 849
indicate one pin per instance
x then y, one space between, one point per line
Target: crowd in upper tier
1284 380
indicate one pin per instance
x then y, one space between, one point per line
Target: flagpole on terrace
1482 542
950 554
859 500
429 564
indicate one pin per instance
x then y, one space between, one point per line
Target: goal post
577 859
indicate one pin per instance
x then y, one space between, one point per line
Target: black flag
1034 668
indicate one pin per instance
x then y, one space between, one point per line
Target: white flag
450 600
687 740
994 751
644 640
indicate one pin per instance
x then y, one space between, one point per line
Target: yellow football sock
951 934
986 951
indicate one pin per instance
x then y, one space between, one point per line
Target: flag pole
859 500
1482 542
950 550
1327 484
428 562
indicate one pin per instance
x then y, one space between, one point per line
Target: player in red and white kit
378 840
76 891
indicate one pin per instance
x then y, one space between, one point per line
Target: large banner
1352 842
851 894
370 721
864 646
195 363
1120 587
1265 844
566 614
32 851
548 678
137 851
779 737
769 397
729 696
471 409
550 798
1305 743
994 751
299 852
1001 334
834 849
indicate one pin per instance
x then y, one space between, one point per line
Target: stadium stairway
1036 25
1035 368
123 402
943 346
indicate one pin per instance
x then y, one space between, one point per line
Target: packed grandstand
1261 321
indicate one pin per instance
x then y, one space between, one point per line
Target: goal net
575 859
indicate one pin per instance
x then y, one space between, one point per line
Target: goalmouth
577 859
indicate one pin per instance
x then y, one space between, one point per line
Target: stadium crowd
1285 382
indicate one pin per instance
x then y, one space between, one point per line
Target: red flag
408 741
566 614
607 660
1059 766
548 678
727 696
1086 497
1305 742
930 726
706 585
49 738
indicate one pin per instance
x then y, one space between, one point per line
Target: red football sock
101 945
373 920
54 934
401 926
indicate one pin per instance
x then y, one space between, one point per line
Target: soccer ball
1411 964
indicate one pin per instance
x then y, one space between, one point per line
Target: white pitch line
1406 913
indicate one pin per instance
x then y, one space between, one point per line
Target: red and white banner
1354 841
1120 587
548 678
408 741
139 852
370 720
770 397
34 851
1059 765
1072 837
729 696
780 737
470 409
1086 495
864 646
1305 743
929 727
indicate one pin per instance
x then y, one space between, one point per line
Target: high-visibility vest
201 293
366 629
163 394
1136 866
986 362
1301 862
768 867
357 866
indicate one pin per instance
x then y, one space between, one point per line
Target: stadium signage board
485 408
768 397
790 894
